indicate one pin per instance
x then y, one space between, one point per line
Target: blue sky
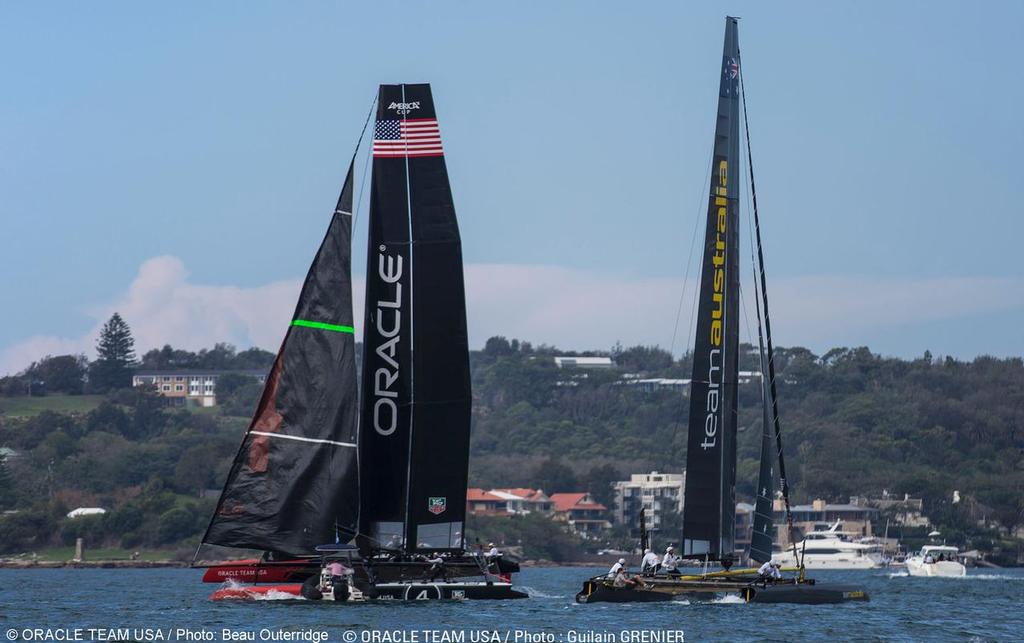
179 162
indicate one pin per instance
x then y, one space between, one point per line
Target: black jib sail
761 536
414 435
770 394
710 496
294 483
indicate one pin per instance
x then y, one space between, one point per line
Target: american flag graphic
409 138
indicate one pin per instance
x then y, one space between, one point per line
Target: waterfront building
653 492
189 386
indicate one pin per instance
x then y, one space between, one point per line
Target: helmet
622 561
670 548
647 551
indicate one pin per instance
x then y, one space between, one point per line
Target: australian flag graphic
730 77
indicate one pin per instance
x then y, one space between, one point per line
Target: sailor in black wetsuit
437 568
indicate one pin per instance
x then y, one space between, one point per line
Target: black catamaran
709 508
377 480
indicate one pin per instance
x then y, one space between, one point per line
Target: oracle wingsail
710 492
297 481
414 435
294 483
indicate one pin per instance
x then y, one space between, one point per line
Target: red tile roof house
584 516
484 503
507 501
524 501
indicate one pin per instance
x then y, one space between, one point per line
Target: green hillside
28 406
854 423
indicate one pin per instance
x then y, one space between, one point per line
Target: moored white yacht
833 549
936 560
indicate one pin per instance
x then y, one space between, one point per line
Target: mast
644 541
710 495
414 436
294 482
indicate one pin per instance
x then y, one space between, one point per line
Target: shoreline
90 564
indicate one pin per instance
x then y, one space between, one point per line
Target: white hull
831 561
940 569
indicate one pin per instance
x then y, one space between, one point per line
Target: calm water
985 606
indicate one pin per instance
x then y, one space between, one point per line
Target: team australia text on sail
717 301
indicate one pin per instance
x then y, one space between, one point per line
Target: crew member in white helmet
649 564
770 570
670 561
617 567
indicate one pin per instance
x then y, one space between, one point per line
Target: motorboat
936 560
834 549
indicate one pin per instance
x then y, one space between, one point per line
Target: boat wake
276 595
232 590
728 599
536 593
969 576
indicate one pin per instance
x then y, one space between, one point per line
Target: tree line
116 362
854 423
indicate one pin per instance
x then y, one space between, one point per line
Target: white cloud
570 308
163 307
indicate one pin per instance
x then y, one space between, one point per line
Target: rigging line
352 231
767 319
765 429
682 296
366 164
689 256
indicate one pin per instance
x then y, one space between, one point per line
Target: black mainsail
414 435
294 483
710 493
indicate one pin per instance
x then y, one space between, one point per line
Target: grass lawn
27 406
67 553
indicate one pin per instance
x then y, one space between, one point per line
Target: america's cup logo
404 108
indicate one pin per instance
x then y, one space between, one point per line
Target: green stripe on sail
322 326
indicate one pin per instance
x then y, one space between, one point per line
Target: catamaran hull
595 592
662 590
447 591
443 591
805 594
297 571
255 571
